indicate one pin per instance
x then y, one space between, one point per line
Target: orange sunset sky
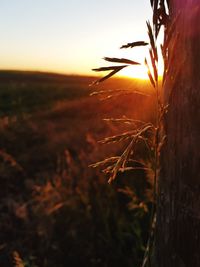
71 36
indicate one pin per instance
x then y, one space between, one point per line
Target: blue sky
69 36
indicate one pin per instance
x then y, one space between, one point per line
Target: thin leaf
121 60
125 120
119 138
153 62
152 41
107 68
118 92
155 6
165 60
115 70
104 162
102 92
156 17
168 3
149 74
134 44
122 93
107 170
122 160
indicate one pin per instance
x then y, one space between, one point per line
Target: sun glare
139 72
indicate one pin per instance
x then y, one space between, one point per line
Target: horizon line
118 76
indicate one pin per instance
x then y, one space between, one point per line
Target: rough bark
178 209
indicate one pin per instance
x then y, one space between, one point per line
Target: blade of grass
134 44
115 70
149 74
121 60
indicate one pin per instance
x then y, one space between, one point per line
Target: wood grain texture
178 210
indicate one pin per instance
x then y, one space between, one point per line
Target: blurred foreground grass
55 211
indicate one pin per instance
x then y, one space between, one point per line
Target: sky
69 36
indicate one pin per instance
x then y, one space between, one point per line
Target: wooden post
178 209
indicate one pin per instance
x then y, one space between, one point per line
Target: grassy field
55 211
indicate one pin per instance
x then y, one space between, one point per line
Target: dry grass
57 189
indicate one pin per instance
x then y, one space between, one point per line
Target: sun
138 72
